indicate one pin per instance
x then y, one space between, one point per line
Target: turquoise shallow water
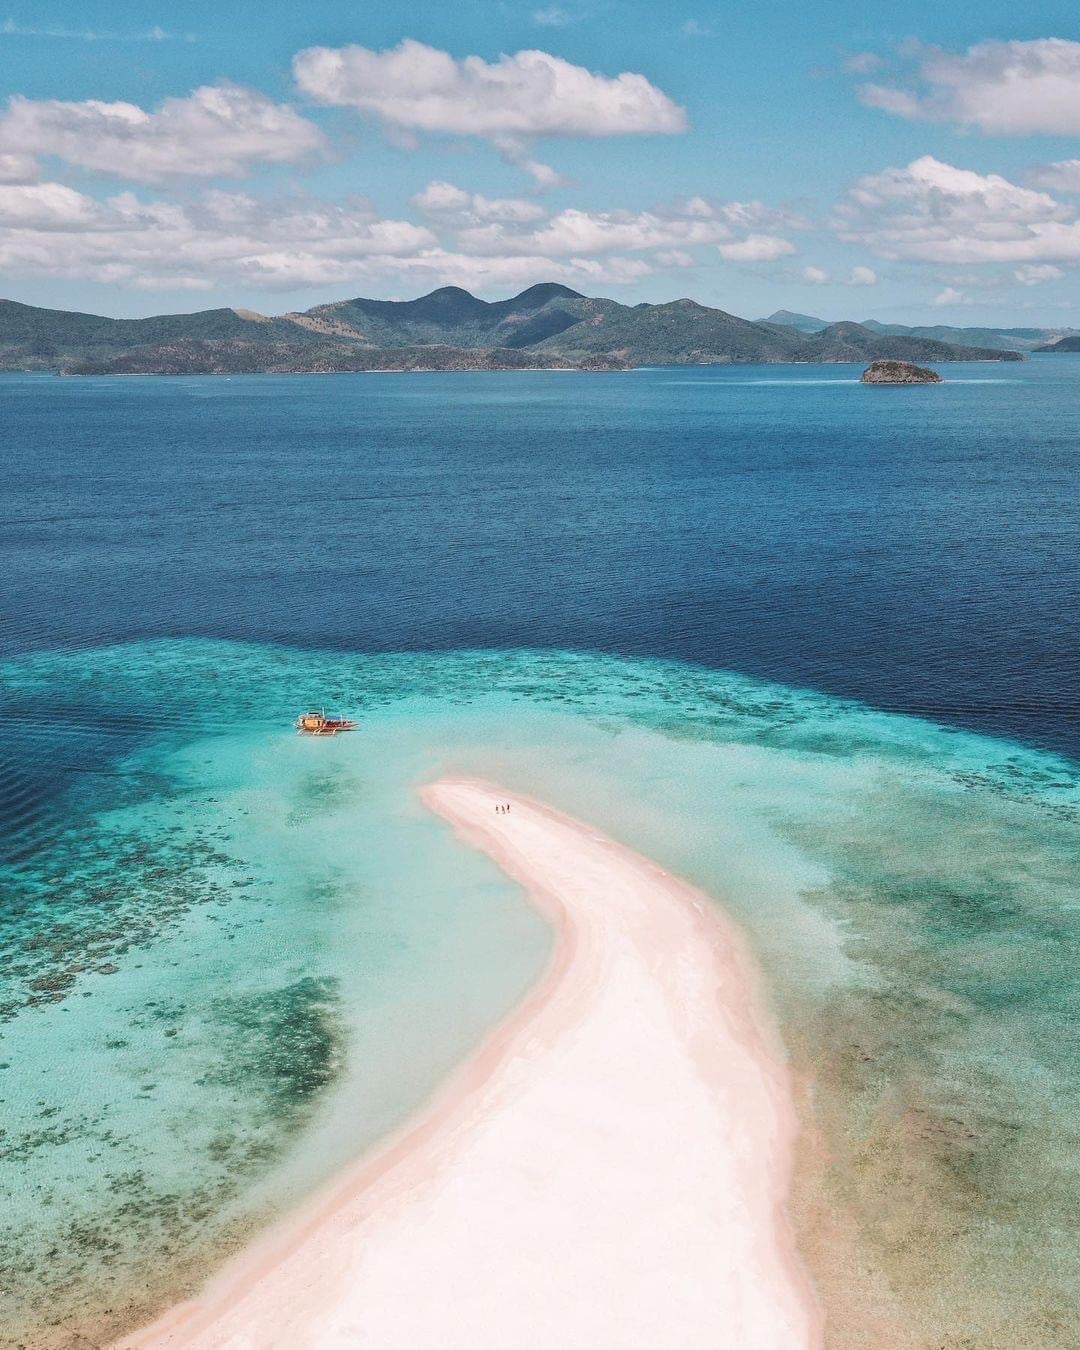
233 956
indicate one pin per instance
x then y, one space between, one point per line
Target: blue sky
753 156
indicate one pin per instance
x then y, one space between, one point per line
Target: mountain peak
446 293
447 305
805 323
544 291
846 328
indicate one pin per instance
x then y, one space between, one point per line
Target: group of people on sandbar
502 808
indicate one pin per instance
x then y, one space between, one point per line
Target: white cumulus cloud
675 257
413 87
1061 176
749 215
511 226
17 168
1000 88
950 296
443 199
232 239
543 175
935 212
1037 274
217 131
862 276
576 232
756 248
224 238
816 276
45 207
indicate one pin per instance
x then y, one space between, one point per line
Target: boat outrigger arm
318 724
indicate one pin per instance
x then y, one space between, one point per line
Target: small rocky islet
898 372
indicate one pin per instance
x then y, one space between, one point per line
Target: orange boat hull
315 724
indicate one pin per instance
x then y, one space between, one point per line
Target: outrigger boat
318 724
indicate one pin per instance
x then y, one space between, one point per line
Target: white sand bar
607 1173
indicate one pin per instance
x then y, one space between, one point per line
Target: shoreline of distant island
546 327
561 369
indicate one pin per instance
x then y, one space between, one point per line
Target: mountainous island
1003 339
548 326
1069 343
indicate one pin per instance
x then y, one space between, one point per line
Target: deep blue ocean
915 548
812 644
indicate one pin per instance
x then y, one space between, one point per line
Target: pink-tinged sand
608 1172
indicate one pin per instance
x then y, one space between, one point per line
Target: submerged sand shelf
906 886
609 1170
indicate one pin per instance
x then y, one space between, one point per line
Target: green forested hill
58 331
856 342
546 325
1065 344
